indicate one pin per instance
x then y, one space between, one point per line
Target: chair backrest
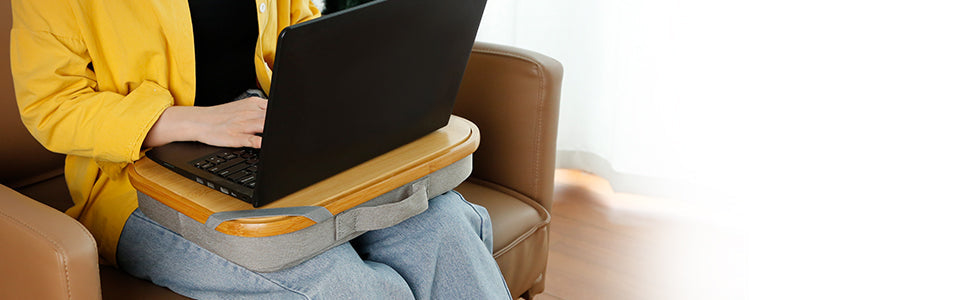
519 121
23 161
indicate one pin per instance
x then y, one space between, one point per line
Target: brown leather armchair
511 94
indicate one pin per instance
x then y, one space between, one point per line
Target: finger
253 125
255 141
240 140
258 102
257 114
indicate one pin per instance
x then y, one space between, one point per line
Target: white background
834 132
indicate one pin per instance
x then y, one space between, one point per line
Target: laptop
346 87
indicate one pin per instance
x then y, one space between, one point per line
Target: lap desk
434 157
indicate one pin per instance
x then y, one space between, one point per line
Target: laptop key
247 179
236 176
233 169
233 162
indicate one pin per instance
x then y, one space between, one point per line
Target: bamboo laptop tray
340 192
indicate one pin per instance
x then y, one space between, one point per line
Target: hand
234 124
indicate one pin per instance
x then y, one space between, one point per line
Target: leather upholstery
22 158
511 94
119 285
45 253
52 192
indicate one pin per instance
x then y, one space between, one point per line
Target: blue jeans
442 253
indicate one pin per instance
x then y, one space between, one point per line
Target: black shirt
225 44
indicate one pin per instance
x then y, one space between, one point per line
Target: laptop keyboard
239 166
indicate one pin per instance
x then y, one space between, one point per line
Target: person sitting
103 82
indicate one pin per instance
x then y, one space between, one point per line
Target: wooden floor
606 245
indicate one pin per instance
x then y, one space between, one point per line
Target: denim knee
451 211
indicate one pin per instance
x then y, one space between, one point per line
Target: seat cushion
513 216
52 192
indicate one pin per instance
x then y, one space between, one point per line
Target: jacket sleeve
57 92
303 10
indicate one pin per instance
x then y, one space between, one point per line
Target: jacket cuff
126 133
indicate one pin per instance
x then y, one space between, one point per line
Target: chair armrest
45 254
513 96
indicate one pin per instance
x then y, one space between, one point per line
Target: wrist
189 122
176 123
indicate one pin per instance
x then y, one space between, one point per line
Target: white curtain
839 128
623 72
694 98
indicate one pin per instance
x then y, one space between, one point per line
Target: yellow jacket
93 76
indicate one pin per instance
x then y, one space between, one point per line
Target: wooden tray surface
338 193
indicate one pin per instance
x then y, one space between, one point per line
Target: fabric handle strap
383 216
